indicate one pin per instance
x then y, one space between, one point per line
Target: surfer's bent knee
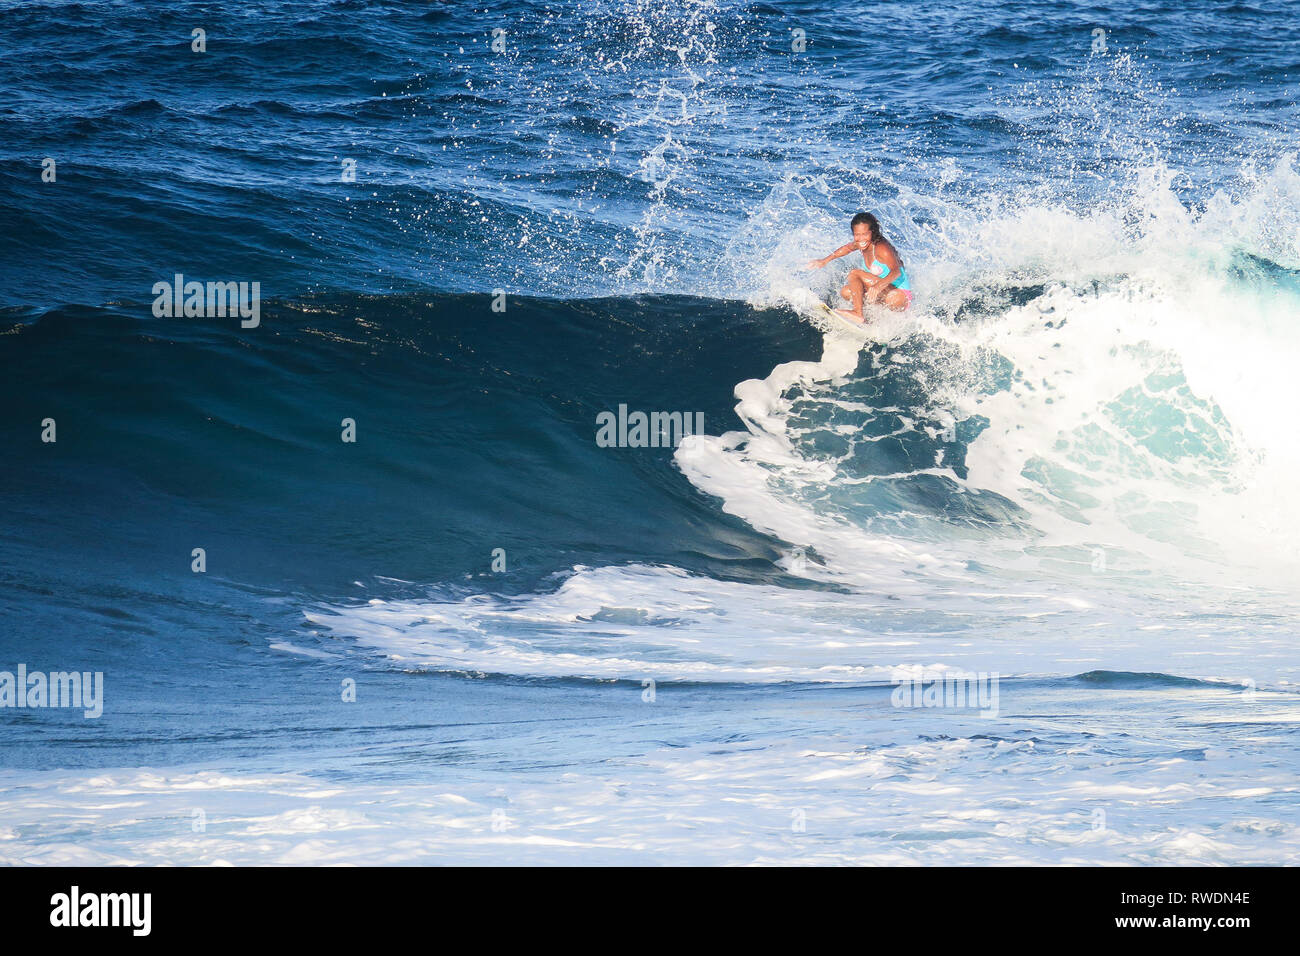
849 283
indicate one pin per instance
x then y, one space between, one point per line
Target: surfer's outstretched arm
843 250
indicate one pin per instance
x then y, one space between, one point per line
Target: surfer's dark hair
871 222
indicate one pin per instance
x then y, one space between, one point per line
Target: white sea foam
1138 392
647 623
847 786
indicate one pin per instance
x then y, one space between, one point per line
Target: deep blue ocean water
1071 463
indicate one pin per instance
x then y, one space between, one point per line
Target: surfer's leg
854 288
896 299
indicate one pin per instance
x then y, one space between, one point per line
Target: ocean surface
475 633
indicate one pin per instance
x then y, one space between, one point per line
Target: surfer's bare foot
852 316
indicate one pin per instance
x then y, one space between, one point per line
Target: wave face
1071 464
475 430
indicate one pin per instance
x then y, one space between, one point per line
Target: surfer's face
862 235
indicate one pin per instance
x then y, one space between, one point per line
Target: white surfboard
810 305
842 316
